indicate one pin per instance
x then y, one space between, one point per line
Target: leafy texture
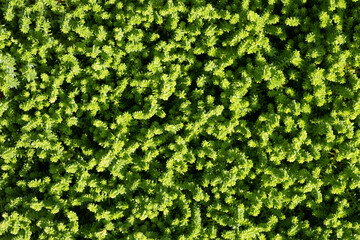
179 119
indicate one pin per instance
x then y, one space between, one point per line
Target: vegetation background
179 119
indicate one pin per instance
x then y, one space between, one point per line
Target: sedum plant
179 119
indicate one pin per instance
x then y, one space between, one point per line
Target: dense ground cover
179 119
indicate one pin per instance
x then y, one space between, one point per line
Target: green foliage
174 119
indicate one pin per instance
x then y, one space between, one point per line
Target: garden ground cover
179 119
